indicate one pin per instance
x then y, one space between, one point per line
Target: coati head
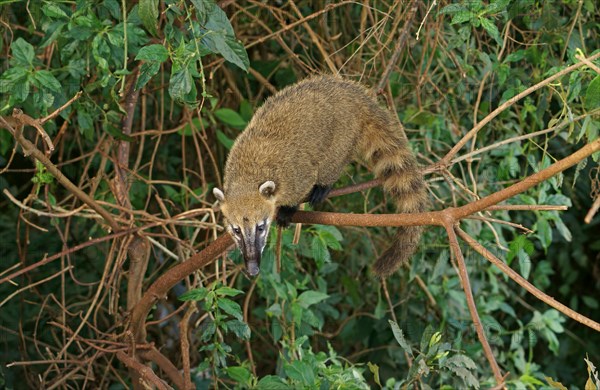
248 217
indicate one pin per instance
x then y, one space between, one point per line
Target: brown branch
525 284
593 210
165 364
145 372
466 285
166 281
34 153
61 108
438 218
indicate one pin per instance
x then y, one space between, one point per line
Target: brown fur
304 136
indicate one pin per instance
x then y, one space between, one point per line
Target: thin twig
466 285
525 284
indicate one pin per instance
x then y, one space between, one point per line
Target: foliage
315 317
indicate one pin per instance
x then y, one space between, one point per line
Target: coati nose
252 268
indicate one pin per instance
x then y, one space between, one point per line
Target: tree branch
524 283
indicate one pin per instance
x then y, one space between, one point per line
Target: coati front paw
318 194
284 215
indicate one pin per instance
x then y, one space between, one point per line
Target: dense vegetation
166 86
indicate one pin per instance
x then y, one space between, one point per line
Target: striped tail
386 148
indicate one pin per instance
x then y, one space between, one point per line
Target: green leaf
239 374
54 11
230 48
230 117
153 53
228 291
399 336
524 263
147 71
592 94
463 16
196 294
224 140
148 12
374 368
22 52
491 29
180 84
544 232
45 79
271 382
239 328
320 253
230 307
308 298
217 19
246 110
296 312
301 372
590 302
11 77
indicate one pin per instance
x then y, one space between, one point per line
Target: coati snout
249 217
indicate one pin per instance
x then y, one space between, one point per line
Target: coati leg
284 215
318 194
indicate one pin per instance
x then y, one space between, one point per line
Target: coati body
296 147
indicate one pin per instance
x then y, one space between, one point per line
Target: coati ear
267 189
219 194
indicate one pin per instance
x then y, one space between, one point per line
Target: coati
295 148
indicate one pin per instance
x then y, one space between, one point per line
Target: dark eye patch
236 230
261 227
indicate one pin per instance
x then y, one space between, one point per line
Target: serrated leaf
147 71
399 336
153 53
467 377
180 84
309 298
230 117
230 307
239 374
592 94
54 11
452 9
491 29
196 294
148 13
271 382
301 372
11 77
228 291
230 48
460 361
22 52
45 79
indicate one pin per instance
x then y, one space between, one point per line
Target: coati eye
237 230
260 228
